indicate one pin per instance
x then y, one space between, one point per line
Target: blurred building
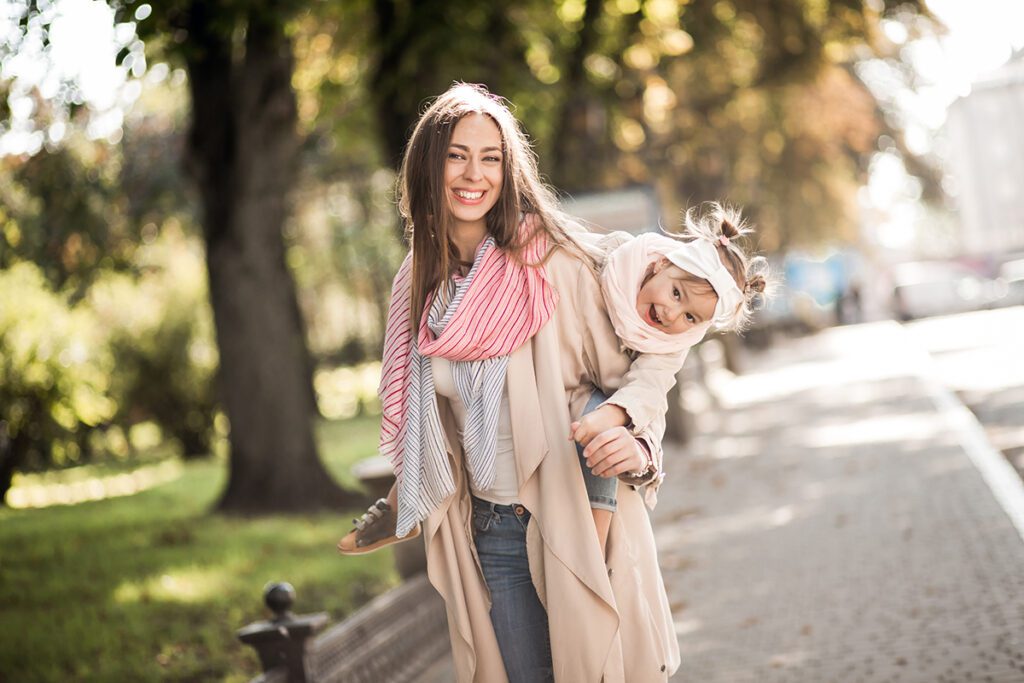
986 132
633 209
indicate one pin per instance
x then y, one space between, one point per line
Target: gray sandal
375 529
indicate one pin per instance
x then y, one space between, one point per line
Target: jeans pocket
481 521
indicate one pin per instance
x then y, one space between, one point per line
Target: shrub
54 375
161 336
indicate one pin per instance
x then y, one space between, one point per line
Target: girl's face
473 169
672 302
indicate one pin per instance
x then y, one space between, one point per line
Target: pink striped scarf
485 316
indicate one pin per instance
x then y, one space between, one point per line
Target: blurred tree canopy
752 102
293 117
55 208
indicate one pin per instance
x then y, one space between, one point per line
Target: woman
496 338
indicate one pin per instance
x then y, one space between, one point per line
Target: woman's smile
469 197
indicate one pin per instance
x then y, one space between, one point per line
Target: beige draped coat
608 622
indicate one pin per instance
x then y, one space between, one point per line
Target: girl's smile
652 317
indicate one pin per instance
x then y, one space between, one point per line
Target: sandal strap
379 508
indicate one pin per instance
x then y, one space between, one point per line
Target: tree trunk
574 144
678 421
394 35
242 152
12 456
194 444
409 65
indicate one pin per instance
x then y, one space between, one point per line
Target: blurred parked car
803 299
927 288
1011 275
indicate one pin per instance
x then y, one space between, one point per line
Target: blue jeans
520 620
600 490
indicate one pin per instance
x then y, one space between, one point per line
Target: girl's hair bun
755 284
728 226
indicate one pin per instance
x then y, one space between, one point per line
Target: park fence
396 637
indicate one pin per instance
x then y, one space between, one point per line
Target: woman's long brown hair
423 200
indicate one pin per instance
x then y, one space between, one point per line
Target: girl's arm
639 391
636 404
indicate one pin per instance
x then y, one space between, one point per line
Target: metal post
284 641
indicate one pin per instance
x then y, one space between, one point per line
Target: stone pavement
835 521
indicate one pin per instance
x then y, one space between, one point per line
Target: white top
506 482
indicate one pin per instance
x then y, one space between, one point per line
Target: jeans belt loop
492 515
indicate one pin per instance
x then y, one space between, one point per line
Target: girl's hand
614 452
593 423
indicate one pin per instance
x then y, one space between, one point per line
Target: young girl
662 294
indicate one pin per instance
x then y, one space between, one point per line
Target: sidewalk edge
1004 482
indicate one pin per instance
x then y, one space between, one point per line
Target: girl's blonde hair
423 203
712 221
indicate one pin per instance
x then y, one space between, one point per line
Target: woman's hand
614 452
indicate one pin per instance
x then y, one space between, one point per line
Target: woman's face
473 169
671 302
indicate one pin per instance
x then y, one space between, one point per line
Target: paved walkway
836 522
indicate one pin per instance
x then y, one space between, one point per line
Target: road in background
832 522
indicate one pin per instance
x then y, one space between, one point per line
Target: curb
999 475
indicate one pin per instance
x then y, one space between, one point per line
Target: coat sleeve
644 389
640 391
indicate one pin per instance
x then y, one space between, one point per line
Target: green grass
152 587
